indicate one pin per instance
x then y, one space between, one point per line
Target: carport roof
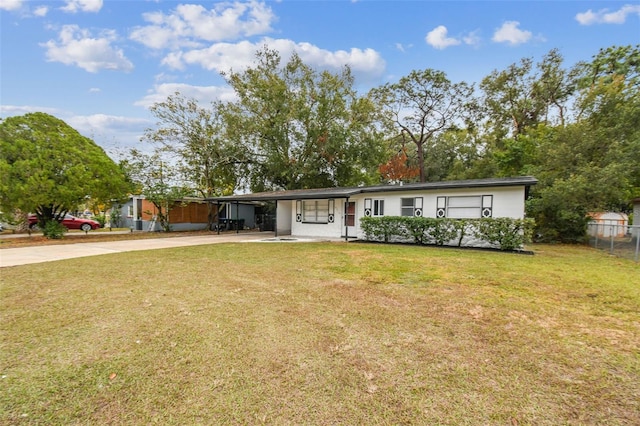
322 193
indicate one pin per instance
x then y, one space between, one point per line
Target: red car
69 222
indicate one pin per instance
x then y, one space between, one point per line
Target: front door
349 219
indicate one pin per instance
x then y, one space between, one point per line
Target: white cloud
109 131
365 63
73 6
10 4
472 39
203 94
41 11
603 16
190 25
94 90
14 110
21 6
102 123
438 39
77 47
510 33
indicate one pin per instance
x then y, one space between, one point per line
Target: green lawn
322 333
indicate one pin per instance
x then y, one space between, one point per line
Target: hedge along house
336 212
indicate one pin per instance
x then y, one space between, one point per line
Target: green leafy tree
196 137
422 106
594 163
511 99
48 168
302 128
158 180
515 102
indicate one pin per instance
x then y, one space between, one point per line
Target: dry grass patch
322 333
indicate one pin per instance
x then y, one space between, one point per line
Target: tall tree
303 128
158 180
511 99
555 86
422 105
201 149
48 168
594 163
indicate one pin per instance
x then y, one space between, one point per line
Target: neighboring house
138 214
188 214
336 212
607 224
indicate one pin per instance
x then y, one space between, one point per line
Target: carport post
237 217
218 215
346 220
275 225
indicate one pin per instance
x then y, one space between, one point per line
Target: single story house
188 214
336 212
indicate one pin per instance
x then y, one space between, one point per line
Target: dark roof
321 193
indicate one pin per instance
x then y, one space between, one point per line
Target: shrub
461 226
54 230
506 233
115 216
101 219
417 228
443 231
381 228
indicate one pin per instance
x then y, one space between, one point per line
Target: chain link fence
619 240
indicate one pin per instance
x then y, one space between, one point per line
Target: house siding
506 202
182 217
284 219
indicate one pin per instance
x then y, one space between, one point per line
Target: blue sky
99 64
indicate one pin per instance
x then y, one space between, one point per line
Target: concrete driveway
49 253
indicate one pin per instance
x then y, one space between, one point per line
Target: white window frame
378 207
466 206
374 207
415 209
315 211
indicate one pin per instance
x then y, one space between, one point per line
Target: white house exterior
336 212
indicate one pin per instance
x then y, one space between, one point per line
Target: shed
607 224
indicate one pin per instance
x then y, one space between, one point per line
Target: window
130 211
315 211
411 206
465 207
378 207
373 207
